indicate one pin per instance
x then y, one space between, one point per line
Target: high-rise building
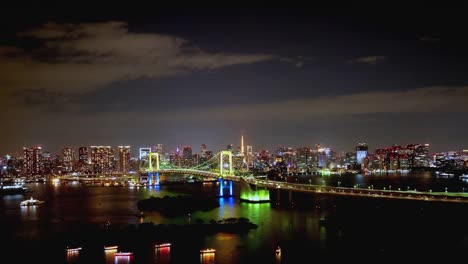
249 156
323 154
102 158
203 150
361 152
83 155
421 155
143 154
124 158
157 148
68 158
187 156
32 160
303 158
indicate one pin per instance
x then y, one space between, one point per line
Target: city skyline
286 77
134 150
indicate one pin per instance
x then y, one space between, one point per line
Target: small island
178 205
137 236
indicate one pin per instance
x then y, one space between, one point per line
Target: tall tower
242 142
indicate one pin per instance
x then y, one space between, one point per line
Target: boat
163 245
31 202
12 189
123 254
73 249
108 248
208 250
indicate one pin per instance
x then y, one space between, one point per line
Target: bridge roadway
308 188
359 192
338 191
98 177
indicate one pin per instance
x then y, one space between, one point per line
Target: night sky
72 77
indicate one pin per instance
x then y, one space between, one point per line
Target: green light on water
256 196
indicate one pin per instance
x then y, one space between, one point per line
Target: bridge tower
225 184
154 176
222 171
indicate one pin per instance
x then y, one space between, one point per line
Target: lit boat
12 189
73 249
30 202
163 245
208 250
111 248
123 254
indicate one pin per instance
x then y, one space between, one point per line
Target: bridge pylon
150 161
223 171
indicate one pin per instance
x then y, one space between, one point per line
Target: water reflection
123 259
29 212
109 255
162 255
278 255
226 207
207 258
73 256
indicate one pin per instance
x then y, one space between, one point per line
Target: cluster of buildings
284 160
35 161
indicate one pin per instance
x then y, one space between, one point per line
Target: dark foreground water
318 228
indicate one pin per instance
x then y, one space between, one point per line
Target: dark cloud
90 56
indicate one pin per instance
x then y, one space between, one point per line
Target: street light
445 189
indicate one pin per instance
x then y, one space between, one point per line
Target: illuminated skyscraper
187 156
83 155
68 158
303 158
157 148
361 152
249 154
144 152
124 158
102 158
32 160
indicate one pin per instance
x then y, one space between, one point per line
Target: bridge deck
307 188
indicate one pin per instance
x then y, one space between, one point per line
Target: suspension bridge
220 167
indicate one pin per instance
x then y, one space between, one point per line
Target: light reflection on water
276 227
73 256
162 255
123 259
208 258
